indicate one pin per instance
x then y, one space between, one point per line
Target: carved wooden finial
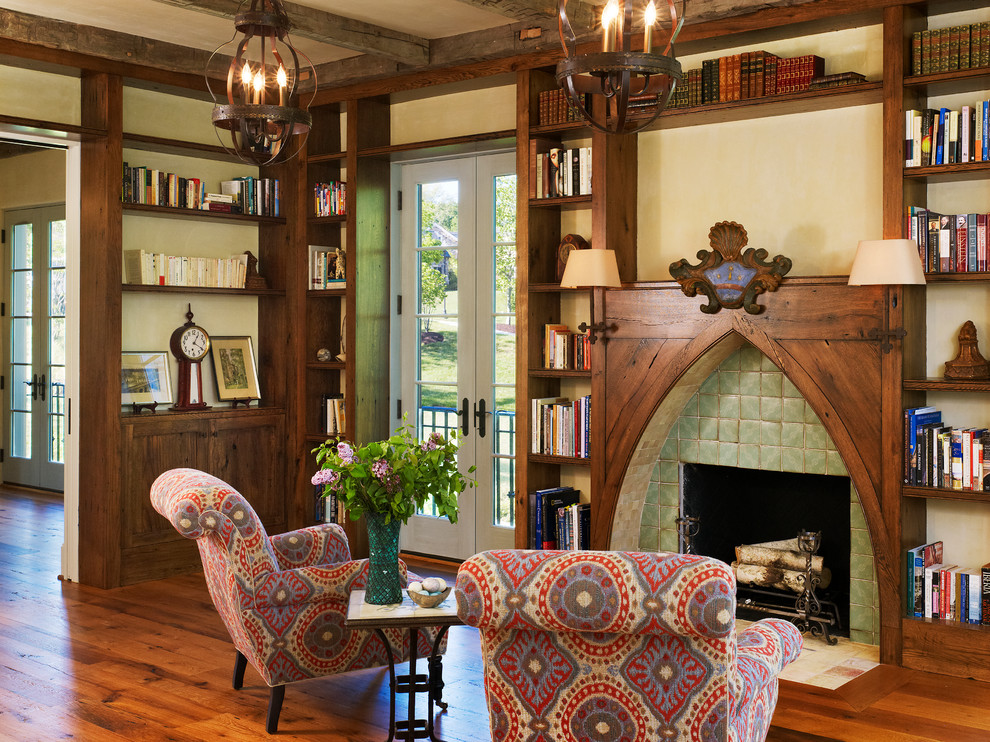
968 363
252 279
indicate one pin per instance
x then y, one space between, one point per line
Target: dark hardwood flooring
153 662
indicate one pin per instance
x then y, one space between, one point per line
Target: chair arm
293 587
309 547
764 649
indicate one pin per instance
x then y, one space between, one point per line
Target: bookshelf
540 225
934 645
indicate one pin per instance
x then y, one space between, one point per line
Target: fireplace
734 506
746 415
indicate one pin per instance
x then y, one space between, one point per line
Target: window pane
56 293
56 341
438 282
22 294
505 208
442 401
20 349
438 214
20 434
57 250
56 416
23 238
20 389
504 357
504 274
437 351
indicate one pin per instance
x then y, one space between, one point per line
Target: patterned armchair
618 646
282 598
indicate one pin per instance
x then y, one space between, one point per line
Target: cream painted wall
159 114
807 186
40 95
454 114
34 179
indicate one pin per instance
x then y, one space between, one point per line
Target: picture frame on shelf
144 380
235 369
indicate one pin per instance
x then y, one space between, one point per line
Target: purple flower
392 484
326 476
433 442
381 469
345 452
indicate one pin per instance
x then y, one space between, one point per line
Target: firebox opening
748 506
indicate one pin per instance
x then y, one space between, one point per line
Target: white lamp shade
886 262
590 268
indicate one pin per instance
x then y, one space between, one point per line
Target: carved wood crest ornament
728 276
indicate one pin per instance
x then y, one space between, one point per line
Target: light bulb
283 79
259 82
610 17
650 17
246 74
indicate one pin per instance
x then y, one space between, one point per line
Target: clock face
194 343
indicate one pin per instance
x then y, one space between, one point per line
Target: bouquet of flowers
395 477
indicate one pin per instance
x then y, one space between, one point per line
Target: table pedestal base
412 728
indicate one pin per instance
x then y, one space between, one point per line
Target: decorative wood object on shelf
968 363
569 243
728 276
253 280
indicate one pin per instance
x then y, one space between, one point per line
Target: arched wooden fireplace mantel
660 347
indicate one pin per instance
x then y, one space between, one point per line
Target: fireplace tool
687 528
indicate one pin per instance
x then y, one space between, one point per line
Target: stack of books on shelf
330 198
949 243
327 509
946 137
936 589
158 269
555 108
753 74
562 427
566 350
952 48
247 195
335 422
257 196
937 455
323 269
560 172
558 520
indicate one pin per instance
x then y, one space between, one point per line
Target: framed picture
144 378
234 367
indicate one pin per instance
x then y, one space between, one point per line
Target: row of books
561 172
247 195
158 269
937 455
949 243
558 520
566 350
562 427
951 48
323 273
258 196
946 137
334 417
936 589
753 74
330 198
326 508
555 107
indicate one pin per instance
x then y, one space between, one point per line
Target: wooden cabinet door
249 454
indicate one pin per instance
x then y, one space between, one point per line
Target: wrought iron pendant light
260 106
618 73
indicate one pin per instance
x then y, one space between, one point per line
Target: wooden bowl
425 600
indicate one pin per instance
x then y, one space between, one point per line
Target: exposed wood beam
69 40
329 28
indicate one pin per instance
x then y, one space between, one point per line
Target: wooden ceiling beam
329 28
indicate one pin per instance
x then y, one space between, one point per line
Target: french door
35 347
458 340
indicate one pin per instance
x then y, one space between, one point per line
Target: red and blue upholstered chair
282 598
603 646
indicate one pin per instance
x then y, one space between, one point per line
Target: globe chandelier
259 107
619 73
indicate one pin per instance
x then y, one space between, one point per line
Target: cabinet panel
250 456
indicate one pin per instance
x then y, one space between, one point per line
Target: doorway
458 339
34 342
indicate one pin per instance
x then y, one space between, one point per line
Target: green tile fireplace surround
747 414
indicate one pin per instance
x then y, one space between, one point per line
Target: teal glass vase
383 560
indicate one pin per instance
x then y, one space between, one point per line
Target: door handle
463 414
41 387
34 387
479 416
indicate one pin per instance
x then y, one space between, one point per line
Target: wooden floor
153 662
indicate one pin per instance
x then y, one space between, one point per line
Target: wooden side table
408 615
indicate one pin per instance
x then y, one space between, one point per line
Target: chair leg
274 708
240 663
